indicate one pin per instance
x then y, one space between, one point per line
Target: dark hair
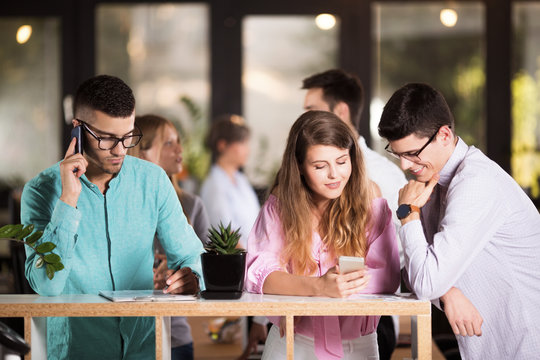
414 109
104 93
228 127
337 85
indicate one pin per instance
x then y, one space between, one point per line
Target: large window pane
412 44
278 53
526 98
162 52
30 105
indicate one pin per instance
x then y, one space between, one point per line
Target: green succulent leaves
223 240
18 232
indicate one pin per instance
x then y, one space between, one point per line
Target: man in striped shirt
470 235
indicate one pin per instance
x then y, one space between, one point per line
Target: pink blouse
265 244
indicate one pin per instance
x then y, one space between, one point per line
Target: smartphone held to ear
76 133
348 264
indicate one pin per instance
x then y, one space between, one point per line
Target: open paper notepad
144 295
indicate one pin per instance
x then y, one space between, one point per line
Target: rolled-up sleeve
265 244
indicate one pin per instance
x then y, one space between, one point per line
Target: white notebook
144 295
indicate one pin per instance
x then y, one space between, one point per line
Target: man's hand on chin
416 193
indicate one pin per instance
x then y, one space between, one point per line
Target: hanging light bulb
449 17
23 33
325 21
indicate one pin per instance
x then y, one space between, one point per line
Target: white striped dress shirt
480 233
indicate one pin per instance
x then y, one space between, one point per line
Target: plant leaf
58 266
52 258
50 271
25 232
223 239
10 231
219 248
5 230
216 237
32 239
45 247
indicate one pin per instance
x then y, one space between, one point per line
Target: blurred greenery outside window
162 52
30 105
525 159
439 43
278 53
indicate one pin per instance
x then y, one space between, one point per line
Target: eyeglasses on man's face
411 156
110 142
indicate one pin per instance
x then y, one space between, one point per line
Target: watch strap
405 210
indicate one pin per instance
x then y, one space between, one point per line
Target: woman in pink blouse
322 205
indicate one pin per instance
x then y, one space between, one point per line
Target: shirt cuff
438 303
412 236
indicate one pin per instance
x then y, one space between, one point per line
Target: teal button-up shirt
106 244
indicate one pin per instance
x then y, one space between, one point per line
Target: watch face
403 211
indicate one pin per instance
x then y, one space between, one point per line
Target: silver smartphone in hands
350 263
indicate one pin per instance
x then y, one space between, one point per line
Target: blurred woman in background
226 192
160 144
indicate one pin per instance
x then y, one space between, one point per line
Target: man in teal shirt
102 210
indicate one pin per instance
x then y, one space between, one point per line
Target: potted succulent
223 264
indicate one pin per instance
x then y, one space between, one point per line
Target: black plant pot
223 275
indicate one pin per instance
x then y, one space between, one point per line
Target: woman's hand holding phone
336 284
71 169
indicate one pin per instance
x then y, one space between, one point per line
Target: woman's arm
331 284
283 283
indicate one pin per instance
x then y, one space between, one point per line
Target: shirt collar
113 183
452 164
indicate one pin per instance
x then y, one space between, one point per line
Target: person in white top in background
226 192
342 93
470 234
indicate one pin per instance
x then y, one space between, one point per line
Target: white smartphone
350 263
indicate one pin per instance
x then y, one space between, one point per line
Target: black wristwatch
405 210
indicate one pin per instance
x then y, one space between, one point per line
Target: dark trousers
386 337
184 352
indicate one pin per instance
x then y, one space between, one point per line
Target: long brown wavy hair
346 220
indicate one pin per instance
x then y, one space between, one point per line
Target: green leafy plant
21 233
196 155
223 240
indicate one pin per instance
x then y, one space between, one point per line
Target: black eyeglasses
411 156
110 142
